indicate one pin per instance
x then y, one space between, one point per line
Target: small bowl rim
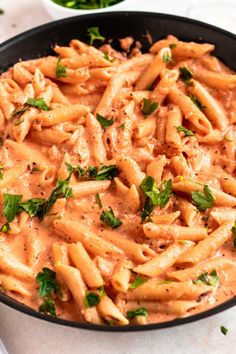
81 11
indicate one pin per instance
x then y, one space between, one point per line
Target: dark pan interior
39 41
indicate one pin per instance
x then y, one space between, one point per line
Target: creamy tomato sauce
35 149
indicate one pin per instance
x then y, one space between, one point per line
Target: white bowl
57 11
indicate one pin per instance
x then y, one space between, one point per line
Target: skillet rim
11 302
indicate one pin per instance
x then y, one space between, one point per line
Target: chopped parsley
154 196
91 299
108 58
103 173
148 107
173 45
104 122
196 102
94 34
211 279
186 131
86 4
38 103
11 205
142 311
98 200
233 229
5 227
137 281
48 284
108 217
203 200
1 171
60 69
224 330
185 75
166 58
48 307
122 126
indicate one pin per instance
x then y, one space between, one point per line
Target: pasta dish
117 178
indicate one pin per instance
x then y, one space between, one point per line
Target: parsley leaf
103 173
32 206
233 229
11 205
1 169
98 200
48 307
142 311
186 131
185 75
81 172
122 126
203 200
104 122
211 279
173 45
155 196
47 283
108 217
196 102
91 299
148 107
5 227
166 58
138 280
60 69
94 34
38 103
224 330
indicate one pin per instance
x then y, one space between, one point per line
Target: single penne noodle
167 219
218 263
132 200
82 189
145 128
175 232
229 185
155 168
65 52
154 290
188 211
105 266
183 49
138 252
190 111
174 119
12 284
220 81
60 256
21 74
33 246
48 68
110 312
181 166
49 136
167 81
160 263
75 283
176 307
188 186
121 277
76 231
85 264
153 71
91 60
61 115
212 109
11 265
207 247
223 215
131 170
6 106
97 148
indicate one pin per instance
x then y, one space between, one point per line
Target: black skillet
39 42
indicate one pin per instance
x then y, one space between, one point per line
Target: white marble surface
22 334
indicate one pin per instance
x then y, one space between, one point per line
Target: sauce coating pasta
117 176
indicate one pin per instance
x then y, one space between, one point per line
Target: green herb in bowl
86 4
